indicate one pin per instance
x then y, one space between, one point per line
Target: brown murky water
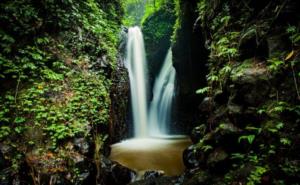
151 154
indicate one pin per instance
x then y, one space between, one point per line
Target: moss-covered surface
157 29
252 86
56 62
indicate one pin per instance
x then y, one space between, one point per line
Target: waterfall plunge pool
152 148
144 154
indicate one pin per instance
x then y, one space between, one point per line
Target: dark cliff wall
249 87
190 61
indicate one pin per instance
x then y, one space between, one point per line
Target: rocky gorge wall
189 60
59 78
247 86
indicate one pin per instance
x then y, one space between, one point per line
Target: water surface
151 154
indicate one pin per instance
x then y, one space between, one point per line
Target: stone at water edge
192 158
153 174
114 173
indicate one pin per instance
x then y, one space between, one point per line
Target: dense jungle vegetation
64 89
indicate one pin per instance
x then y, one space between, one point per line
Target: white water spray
135 63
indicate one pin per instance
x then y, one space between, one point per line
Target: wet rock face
159 181
2 161
250 84
114 173
206 105
192 157
119 94
121 175
55 169
198 133
153 174
189 59
74 168
119 103
4 174
217 159
82 145
7 175
198 178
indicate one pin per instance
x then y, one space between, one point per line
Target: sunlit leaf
290 55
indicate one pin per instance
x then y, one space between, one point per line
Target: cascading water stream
156 121
136 65
163 95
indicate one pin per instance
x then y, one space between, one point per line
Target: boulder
250 84
82 145
59 168
218 160
226 135
198 178
114 173
206 104
198 133
192 158
218 155
153 174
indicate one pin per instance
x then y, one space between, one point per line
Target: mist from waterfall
136 64
163 96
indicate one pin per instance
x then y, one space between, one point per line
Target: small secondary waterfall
135 63
163 95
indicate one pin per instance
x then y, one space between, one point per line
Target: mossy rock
199 178
249 72
216 156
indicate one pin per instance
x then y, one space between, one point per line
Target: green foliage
203 90
290 167
137 11
274 108
177 25
134 12
202 8
229 27
294 35
285 141
274 127
53 86
238 156
157 30
203 146
4 131
249 138
256 175
275 64
225 47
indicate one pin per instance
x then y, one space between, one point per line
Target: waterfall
156 120
163 95
135 63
